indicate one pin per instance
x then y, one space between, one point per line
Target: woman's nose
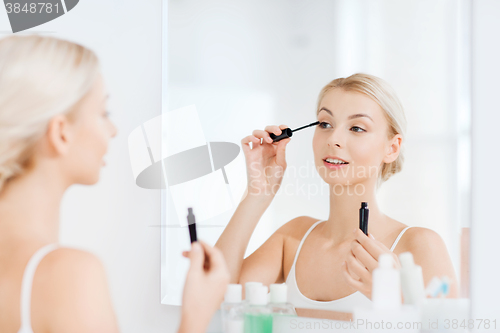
336 138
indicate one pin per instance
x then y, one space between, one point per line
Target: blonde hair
40 77
383 94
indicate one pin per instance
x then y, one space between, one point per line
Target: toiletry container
279 306
232 310
248 287
386 313
278 301
412 280
386 288
257 316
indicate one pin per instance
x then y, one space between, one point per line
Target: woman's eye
358 129
322 124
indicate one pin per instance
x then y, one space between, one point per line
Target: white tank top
344 304
27 283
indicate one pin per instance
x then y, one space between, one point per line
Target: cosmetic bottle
412 280
248 288
386 288
257 316
278 302
232 310
386 310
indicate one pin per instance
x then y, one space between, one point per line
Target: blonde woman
328 264
54 132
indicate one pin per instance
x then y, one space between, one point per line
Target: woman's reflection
328 264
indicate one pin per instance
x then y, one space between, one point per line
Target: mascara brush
287 132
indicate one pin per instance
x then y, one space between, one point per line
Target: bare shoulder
71 285
420 237
297 227
431 253
422 243
64 263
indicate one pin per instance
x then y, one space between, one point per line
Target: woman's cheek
364 153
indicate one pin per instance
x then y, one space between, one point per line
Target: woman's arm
236 236
430 252
266 164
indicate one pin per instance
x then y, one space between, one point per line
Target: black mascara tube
287 132
192 225
363 217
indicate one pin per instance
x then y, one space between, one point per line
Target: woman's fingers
250 138
351 271
245 143
197 256
258 134
369 244
262 134
280 152
273 129
357 270
350 280
363 256
214 255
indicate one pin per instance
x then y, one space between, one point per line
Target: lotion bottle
258 318
386 289
232 310
278 302
412 280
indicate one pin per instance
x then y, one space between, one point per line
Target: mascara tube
363 217
192 225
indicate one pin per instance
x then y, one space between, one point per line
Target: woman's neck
345 203
29 207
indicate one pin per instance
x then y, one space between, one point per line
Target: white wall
114 218
485 289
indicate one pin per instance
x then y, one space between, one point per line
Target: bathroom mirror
234 66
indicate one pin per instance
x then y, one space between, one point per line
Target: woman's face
352 128
91 131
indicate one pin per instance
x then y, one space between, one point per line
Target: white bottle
278 302
232 310
386 308
386 288
412 280
248 288
258 316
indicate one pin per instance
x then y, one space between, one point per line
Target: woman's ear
59 134
393 149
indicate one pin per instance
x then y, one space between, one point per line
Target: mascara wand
287 132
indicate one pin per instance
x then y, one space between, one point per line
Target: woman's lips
334 166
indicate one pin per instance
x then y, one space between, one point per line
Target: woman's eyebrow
353 116
325 109
359 115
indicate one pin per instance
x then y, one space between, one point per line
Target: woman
54 132
357 146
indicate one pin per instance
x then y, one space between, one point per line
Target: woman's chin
90 179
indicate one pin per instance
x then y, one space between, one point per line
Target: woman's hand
265 161
362 260
206 283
